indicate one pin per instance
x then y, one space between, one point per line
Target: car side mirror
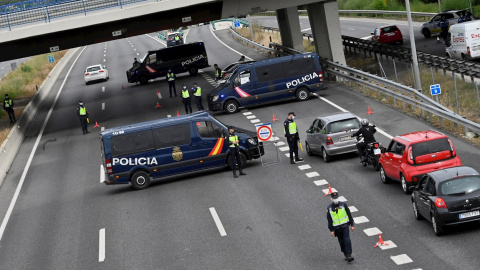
412 188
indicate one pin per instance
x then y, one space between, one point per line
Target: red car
387 34
410 156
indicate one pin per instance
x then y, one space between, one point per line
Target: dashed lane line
102 174
217 221
251 116
312 174
103 106
353 209
388 245
247 113
342 199
255 121
371 231
279 143
304 167
361 219
283 149
401 259
101 245
320 182
103 88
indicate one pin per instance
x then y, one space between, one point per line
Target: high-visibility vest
231 139
8 103
177 38
171 77
198 91
83 111
217 72
185 93
339 218
292 128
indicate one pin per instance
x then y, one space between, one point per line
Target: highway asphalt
274 218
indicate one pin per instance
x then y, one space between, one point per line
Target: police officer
234 152
82 115
444 24
8 106
186 99
339 219
367 132
171 82
464 17
291 133
197 92
218 73
135 62
177 39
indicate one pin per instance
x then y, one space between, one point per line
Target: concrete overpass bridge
151 16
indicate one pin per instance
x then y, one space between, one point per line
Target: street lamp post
416 71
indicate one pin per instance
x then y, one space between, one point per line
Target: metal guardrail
405 94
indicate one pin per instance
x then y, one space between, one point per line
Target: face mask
293 117
81 104
335 201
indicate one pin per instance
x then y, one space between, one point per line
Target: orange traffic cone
274 118
198 123
158 105
178 114
380 241
123 87
329 190
96 125
369 111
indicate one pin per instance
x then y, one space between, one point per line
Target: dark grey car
331 135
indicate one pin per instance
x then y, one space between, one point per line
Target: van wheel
303 94
143 80
426 33
231 106
140 180
242 157
193 70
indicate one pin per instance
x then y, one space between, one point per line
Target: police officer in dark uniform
186 99
339 219
367 132
218 72
82 115
8 106
135 62
171 82
291 133
444 25
234 152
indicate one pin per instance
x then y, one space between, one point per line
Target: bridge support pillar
326 30
289 25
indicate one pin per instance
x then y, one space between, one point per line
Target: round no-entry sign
264 132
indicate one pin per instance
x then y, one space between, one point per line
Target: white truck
463 40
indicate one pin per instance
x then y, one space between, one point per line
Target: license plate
346 138
377 151
469 214
94 73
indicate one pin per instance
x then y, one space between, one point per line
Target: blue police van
178 145
295 76
182 58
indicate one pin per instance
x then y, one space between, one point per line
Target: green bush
25 68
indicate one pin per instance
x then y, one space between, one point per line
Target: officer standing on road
234 152
135 62
291 133
8 106
444 24
367 132
82 115
339 219
218 73
171 82
186 99
197 92
177 39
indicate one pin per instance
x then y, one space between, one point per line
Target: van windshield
143 58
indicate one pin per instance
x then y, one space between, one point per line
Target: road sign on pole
236 23
51 59
435 89
264 131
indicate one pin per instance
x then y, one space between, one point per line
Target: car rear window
461 185
430 147
343 125
389 29
96 68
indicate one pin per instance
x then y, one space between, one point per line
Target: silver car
331 135
431 27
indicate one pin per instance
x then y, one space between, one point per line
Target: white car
96 73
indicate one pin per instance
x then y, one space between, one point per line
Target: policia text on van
182 58
170 146
266 81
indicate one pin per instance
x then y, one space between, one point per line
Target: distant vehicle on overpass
182 58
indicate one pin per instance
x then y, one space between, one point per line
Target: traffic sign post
264 131
264 135
236 23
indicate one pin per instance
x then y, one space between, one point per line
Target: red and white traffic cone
274 118
158 105
96 125
329 191
380 241
369 111
178 114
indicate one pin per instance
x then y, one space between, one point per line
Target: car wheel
404 184
401 41
242 157
143 80
426 33
193 70
415 211
463 57
140 180
383 175
303 94
86 83
309 151
325 155
437 229
231 106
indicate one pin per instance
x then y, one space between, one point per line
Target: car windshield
95 68
343 125
461 185
430 147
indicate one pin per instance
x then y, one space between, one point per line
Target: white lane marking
247 113
287 155
103 106
103 88
211 31
312 174
320 182
138 53
342 199
104 60
306 29
102 128
251 116
351 29
185 37
279 143
32 153
102 174
304 167
372 231
132 46
105 51
134 49
276 138
343 110
217 221
401 259
157 40
389 246
104 55
255 121
101 245
285 148
361 219
326 190
367 37
168 115
353 209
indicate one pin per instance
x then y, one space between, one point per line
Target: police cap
334 195
231 127
291 113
